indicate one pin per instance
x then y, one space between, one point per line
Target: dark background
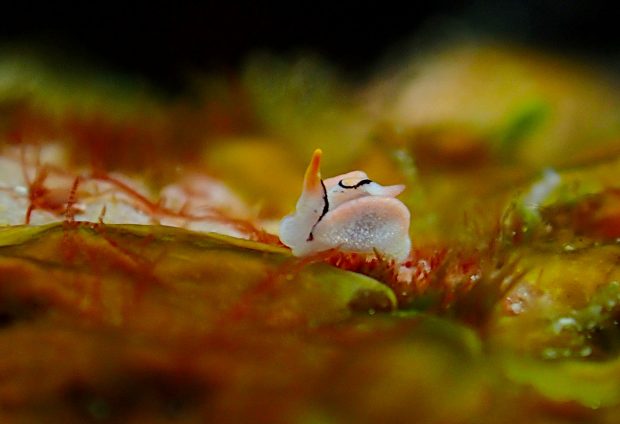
162 42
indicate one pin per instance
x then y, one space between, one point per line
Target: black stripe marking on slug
325 210
361 183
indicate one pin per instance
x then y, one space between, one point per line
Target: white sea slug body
349 212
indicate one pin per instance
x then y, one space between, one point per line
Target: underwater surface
143 279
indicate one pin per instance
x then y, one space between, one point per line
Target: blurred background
426 93
163 42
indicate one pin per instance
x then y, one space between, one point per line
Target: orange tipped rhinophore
312 179
349 212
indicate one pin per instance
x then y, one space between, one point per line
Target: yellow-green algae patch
113 270
592 384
